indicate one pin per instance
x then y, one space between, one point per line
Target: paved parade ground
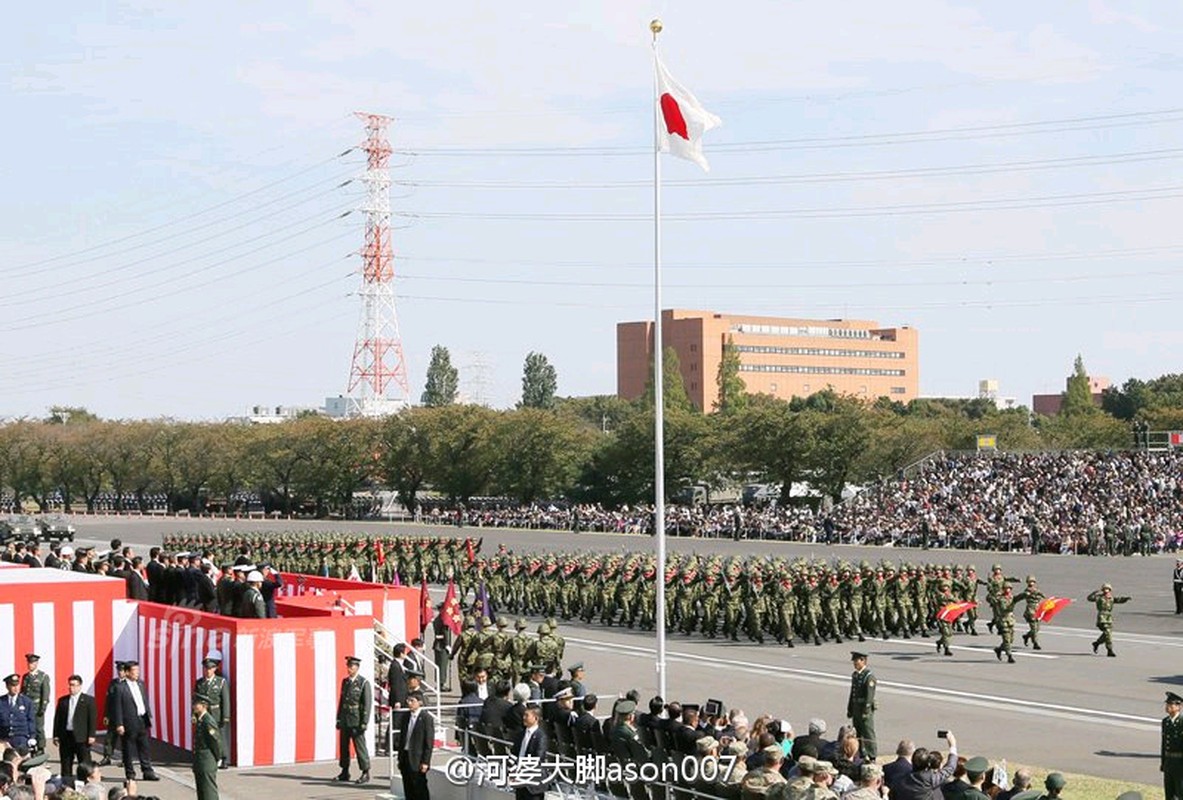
1062 708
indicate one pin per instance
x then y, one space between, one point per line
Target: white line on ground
958 696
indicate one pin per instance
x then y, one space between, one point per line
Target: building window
898 390
693 366
693 348
805 388
693 386
821 370
817 351
772 386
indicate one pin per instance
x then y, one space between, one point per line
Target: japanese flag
681 120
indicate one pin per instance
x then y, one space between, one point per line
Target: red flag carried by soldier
379 553
425 613
471 552
451 613
952 611
1050 606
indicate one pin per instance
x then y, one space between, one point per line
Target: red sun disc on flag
672 113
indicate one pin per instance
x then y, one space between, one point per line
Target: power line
732 285
837 212
165 225
1033 127
951 259
825 177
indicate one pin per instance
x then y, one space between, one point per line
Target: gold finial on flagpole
656 27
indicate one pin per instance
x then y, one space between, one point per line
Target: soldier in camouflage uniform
828 593
785 606
1105 601
756 606
1033 598
1004 621
502 656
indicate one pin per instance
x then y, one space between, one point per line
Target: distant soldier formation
759 598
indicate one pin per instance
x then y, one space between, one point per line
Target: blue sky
1005 177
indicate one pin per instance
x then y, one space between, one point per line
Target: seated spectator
1022 782
817 727
902 765
758 782
1054 783
847 760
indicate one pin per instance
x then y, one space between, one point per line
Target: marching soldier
1004 621
353 717
216 690
35 686
1105 600
1033 598
861 705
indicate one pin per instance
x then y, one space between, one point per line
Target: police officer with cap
1172 748
18 724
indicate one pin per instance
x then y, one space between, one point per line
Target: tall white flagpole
658 374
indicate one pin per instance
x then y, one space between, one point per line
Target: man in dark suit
415 750
530 743
497 705
132 717
901 766
74 725
155 572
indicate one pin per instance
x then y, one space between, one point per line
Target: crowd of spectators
1082 502
1068 502
24 777
721 752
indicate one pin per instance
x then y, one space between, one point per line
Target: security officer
18 725
1178 585
861 705
353 717
207 748
216 689
1172 748
1105 600
35 686
112 739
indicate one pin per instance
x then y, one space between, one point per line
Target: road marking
962 697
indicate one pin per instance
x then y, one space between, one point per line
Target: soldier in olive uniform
35 686
216 689
1033 598
860 707
207 749
1004 621
353 717
1172 748
1105 600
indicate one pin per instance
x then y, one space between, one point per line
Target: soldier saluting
1105 600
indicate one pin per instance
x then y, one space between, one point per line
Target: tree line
585 449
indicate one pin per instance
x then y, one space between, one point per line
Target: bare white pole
658 373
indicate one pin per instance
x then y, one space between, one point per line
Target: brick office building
778 356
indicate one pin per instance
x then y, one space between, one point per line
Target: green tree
673 387
462 458
841 437
406 453
69 415
603 412
537 454
768 438
732 390
540 381
443 380
1078 399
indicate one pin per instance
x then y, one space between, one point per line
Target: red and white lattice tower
378 377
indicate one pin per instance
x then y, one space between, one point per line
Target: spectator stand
77 622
